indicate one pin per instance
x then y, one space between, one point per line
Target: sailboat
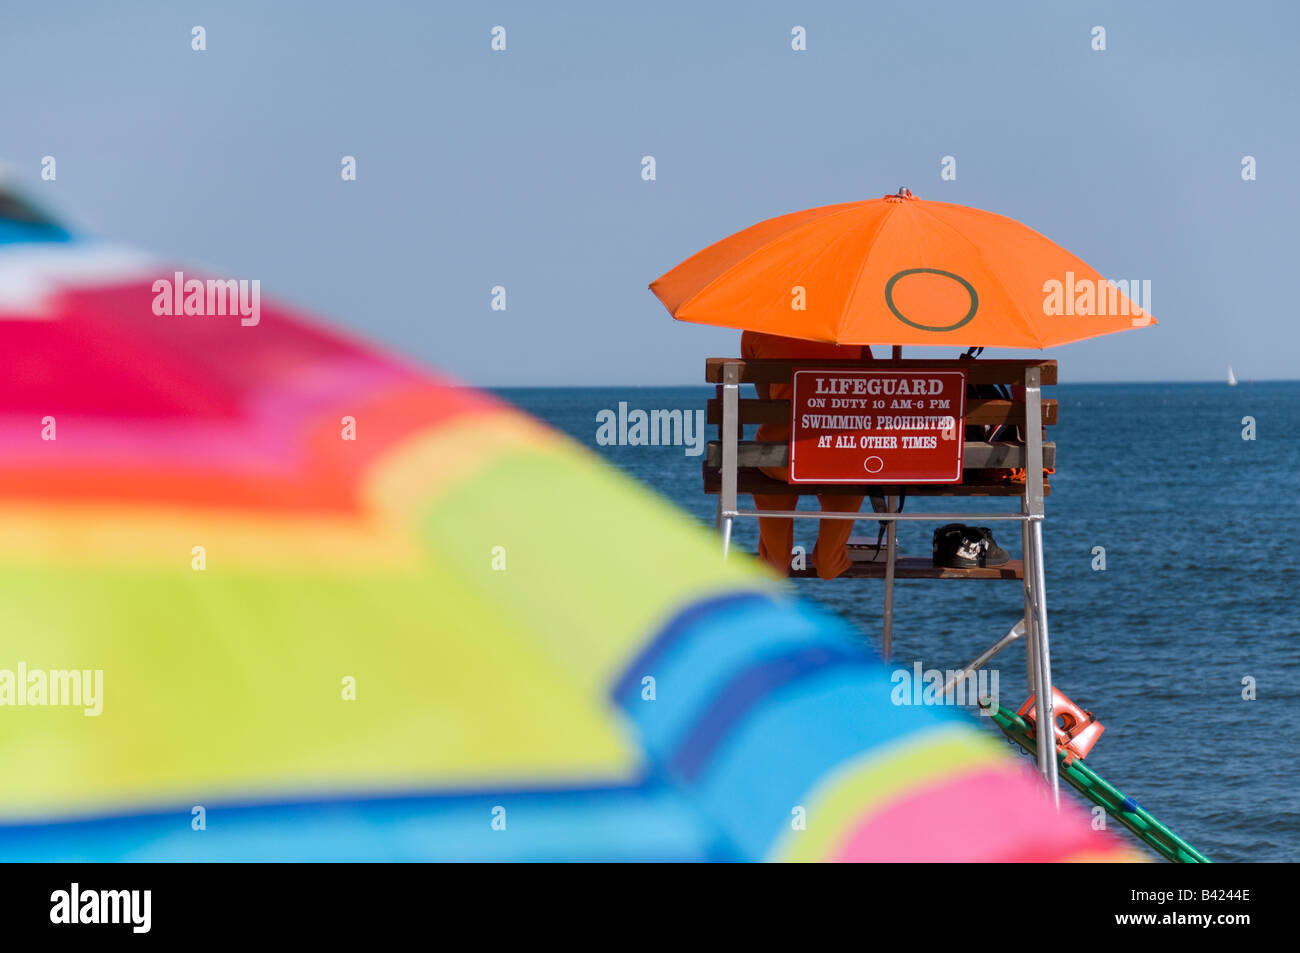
1232 378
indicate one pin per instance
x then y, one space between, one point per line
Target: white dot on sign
873 464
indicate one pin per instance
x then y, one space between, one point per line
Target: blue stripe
703 650
745 692
758 701
17 233
652 823
677 628
776 757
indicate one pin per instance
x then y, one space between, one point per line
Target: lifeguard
830 556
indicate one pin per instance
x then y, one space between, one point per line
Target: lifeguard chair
732 468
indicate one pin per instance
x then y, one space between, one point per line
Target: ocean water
1201 531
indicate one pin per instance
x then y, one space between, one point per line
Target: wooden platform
918 567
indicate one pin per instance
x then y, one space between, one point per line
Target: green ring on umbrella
970 289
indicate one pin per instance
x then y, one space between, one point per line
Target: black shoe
994 555
957 546
946 544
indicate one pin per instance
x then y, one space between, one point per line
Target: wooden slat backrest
978 411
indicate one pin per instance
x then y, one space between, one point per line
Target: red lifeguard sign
877 426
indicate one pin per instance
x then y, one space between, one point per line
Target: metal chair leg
1017 631
891 550
1044 714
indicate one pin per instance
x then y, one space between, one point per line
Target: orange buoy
1077 730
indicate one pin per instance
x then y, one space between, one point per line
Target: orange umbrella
904 271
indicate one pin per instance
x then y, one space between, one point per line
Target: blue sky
522 168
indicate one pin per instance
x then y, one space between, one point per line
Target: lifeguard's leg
831 555
776 536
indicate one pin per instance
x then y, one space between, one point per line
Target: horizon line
1211 380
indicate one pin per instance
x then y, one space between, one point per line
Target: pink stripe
129 388
265 439
995 814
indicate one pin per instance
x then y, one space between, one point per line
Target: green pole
1101 792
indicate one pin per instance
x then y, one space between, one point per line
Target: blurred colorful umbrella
899 270
268 594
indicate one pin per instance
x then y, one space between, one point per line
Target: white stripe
30 273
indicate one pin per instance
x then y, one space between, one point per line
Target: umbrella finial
903 194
